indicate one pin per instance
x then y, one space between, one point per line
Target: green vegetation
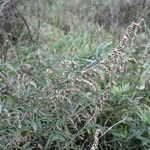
66 83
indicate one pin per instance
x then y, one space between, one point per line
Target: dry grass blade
98 132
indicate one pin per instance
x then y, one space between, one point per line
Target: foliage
69 87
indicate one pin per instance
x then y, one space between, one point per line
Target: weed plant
75 86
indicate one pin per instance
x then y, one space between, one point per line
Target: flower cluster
114 64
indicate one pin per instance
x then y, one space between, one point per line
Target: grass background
51 78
